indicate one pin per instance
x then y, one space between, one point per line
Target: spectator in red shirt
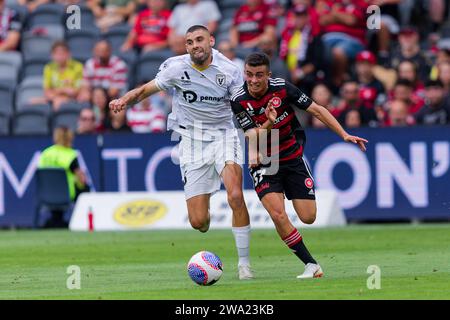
444 75
322 95
371 90
146 116
436 110
104 70
409 49
353 119
408 70
99 104
10 28
151 28
301 50
398 114
404 90
344 28
312 15
349 98
252 22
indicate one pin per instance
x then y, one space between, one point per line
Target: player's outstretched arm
327 118
134 96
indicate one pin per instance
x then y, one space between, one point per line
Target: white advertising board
167 210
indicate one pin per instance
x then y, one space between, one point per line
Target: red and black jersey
250 113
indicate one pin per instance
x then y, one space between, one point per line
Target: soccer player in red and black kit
293 178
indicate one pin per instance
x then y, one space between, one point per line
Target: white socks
242 238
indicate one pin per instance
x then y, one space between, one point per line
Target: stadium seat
226 4
41 107
36 45
223 36
7 98
148 64
30 87
130 57
11 2
87 18
4 124
34 66
163 54
49 13
147 67
73 106
66 118
54 31
116 38
225 25
52 191
21 10
81 43
10 64
30 122
124 27
228 13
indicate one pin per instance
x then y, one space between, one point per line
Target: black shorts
293 179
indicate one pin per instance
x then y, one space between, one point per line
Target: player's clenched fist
117 105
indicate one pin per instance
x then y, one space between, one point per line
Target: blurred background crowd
391 71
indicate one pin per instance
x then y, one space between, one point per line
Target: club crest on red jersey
276 102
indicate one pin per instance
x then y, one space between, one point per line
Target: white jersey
201 99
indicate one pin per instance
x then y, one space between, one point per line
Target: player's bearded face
198 45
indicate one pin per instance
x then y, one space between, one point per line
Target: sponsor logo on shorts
262 187
309 183
140 213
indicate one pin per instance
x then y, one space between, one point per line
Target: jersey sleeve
165 77
296 97
236 82
243 118
15 24
74 165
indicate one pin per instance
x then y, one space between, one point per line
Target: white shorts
202 162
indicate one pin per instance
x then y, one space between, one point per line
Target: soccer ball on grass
205 268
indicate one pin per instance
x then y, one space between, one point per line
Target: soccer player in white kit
210 150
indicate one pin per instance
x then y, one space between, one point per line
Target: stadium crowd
396 73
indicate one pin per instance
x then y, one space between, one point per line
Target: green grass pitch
414 261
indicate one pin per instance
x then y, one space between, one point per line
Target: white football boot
312 270
245 273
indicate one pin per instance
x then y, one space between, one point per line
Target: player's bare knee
279 217
235 199
199 224
309 218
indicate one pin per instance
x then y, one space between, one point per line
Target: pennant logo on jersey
275 101
309 183
220 79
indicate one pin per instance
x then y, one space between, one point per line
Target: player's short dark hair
197 27
258 59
